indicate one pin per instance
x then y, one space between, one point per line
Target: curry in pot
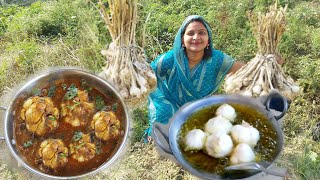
67 127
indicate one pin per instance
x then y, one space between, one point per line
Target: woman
192 70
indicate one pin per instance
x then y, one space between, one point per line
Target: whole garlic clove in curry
76 110
245 133
218 145
217 125
226 111
82 149
53 153
195 140
40 115
241 154
105 125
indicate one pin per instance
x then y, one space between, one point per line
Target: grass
140 119
36 35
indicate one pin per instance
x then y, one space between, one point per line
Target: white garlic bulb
245 133
226 111
194 140
241 154
218 145
218 124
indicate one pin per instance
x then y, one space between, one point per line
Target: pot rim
11 142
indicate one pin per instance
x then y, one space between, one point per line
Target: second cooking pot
168 141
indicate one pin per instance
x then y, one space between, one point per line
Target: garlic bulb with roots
246 81
242 153
194 140
218 145
247 93
264 72
257 89
226 111
126 67
124 92
152 79
218 124
264 93
295 89
245 133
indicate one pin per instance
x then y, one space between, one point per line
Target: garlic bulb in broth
195 140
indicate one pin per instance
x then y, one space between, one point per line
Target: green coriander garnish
28 143
72 92
36 92
52 91
52 118
64 86
100 105
114 107
77 136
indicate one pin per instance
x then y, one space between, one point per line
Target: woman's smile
196 43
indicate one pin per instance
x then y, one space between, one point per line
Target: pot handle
2 108
277 102
165 149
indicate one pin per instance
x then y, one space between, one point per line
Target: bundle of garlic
126 67
263 73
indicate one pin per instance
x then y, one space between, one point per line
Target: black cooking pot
168 142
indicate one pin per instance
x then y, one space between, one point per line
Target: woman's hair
207 51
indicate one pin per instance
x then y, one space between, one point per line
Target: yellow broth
264 150
65 132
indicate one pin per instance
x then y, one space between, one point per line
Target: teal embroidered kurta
177 84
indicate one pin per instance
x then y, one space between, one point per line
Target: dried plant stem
126 67
263 73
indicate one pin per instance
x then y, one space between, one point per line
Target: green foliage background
35 35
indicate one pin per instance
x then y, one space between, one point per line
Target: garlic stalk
262 73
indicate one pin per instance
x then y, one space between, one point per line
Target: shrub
26 51
46 20
309 75
6 15
140 123
306 165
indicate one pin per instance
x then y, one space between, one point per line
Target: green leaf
98 149
100 105
79 146
72 92
62 155
28 143
76 103
114 107
64 86
52 118
85 85
36 92
77 136
52 91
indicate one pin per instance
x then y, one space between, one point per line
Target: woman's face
195 37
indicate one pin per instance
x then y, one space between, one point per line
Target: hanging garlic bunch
126 67
262 74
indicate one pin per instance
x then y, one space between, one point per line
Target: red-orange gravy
65 132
